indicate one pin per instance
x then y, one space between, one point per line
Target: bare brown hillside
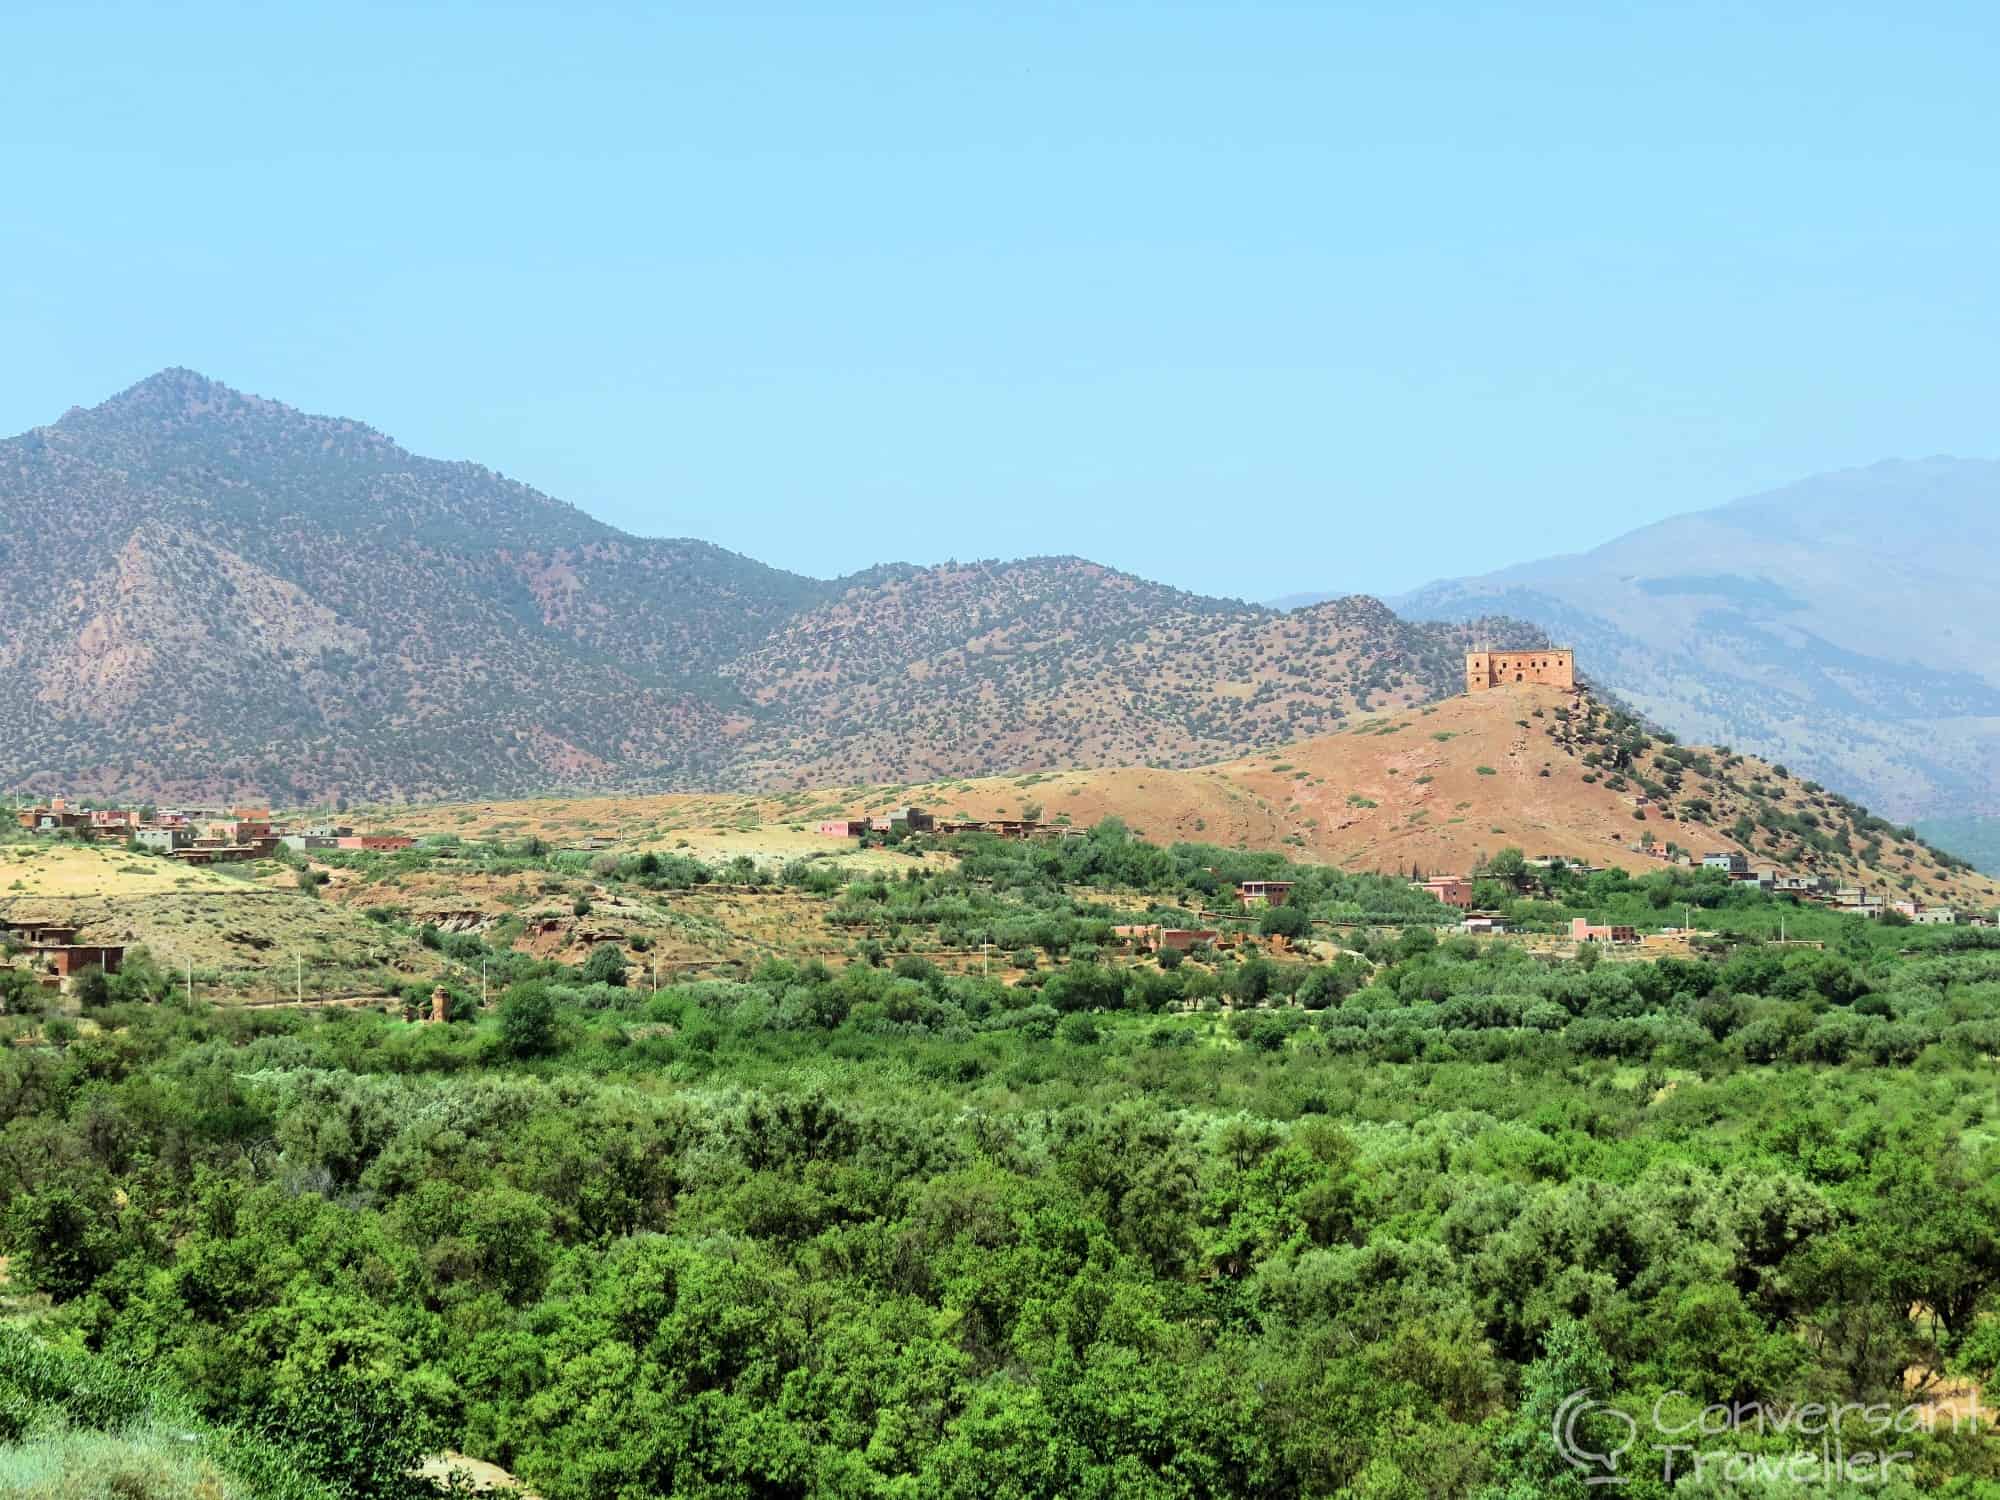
1431 788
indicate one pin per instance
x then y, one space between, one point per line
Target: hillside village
1520 880
198 835
188 836
1473 802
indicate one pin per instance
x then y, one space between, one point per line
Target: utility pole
299 979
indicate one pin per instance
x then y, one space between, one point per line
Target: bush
1038 1021
61 1243
1268 1033
1285 921
1080 1030
91 988
360 1434
606 965
528 1020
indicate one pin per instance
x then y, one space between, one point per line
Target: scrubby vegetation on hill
1058 662
1763 807
223 596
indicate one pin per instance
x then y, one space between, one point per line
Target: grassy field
246 932
48 867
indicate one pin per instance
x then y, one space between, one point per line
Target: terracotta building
1485 670
1449 889
1154 938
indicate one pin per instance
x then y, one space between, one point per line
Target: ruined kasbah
1487 669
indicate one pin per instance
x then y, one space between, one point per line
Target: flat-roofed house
1452 890
1264 892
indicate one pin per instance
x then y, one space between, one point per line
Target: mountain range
1847 625
212 594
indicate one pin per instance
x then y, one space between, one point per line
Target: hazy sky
1250 298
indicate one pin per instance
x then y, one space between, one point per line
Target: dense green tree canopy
1352 1218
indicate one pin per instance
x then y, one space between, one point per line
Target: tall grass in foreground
76 1426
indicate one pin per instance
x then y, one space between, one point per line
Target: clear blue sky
1250 298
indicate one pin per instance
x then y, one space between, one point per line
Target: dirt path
485 1477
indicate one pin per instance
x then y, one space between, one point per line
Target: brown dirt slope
1431 788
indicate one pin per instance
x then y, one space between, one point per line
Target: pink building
1452 890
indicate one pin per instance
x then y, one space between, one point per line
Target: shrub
1080 1030
361 1434
91 988
1284 921
61 1243
528 1020
605 965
